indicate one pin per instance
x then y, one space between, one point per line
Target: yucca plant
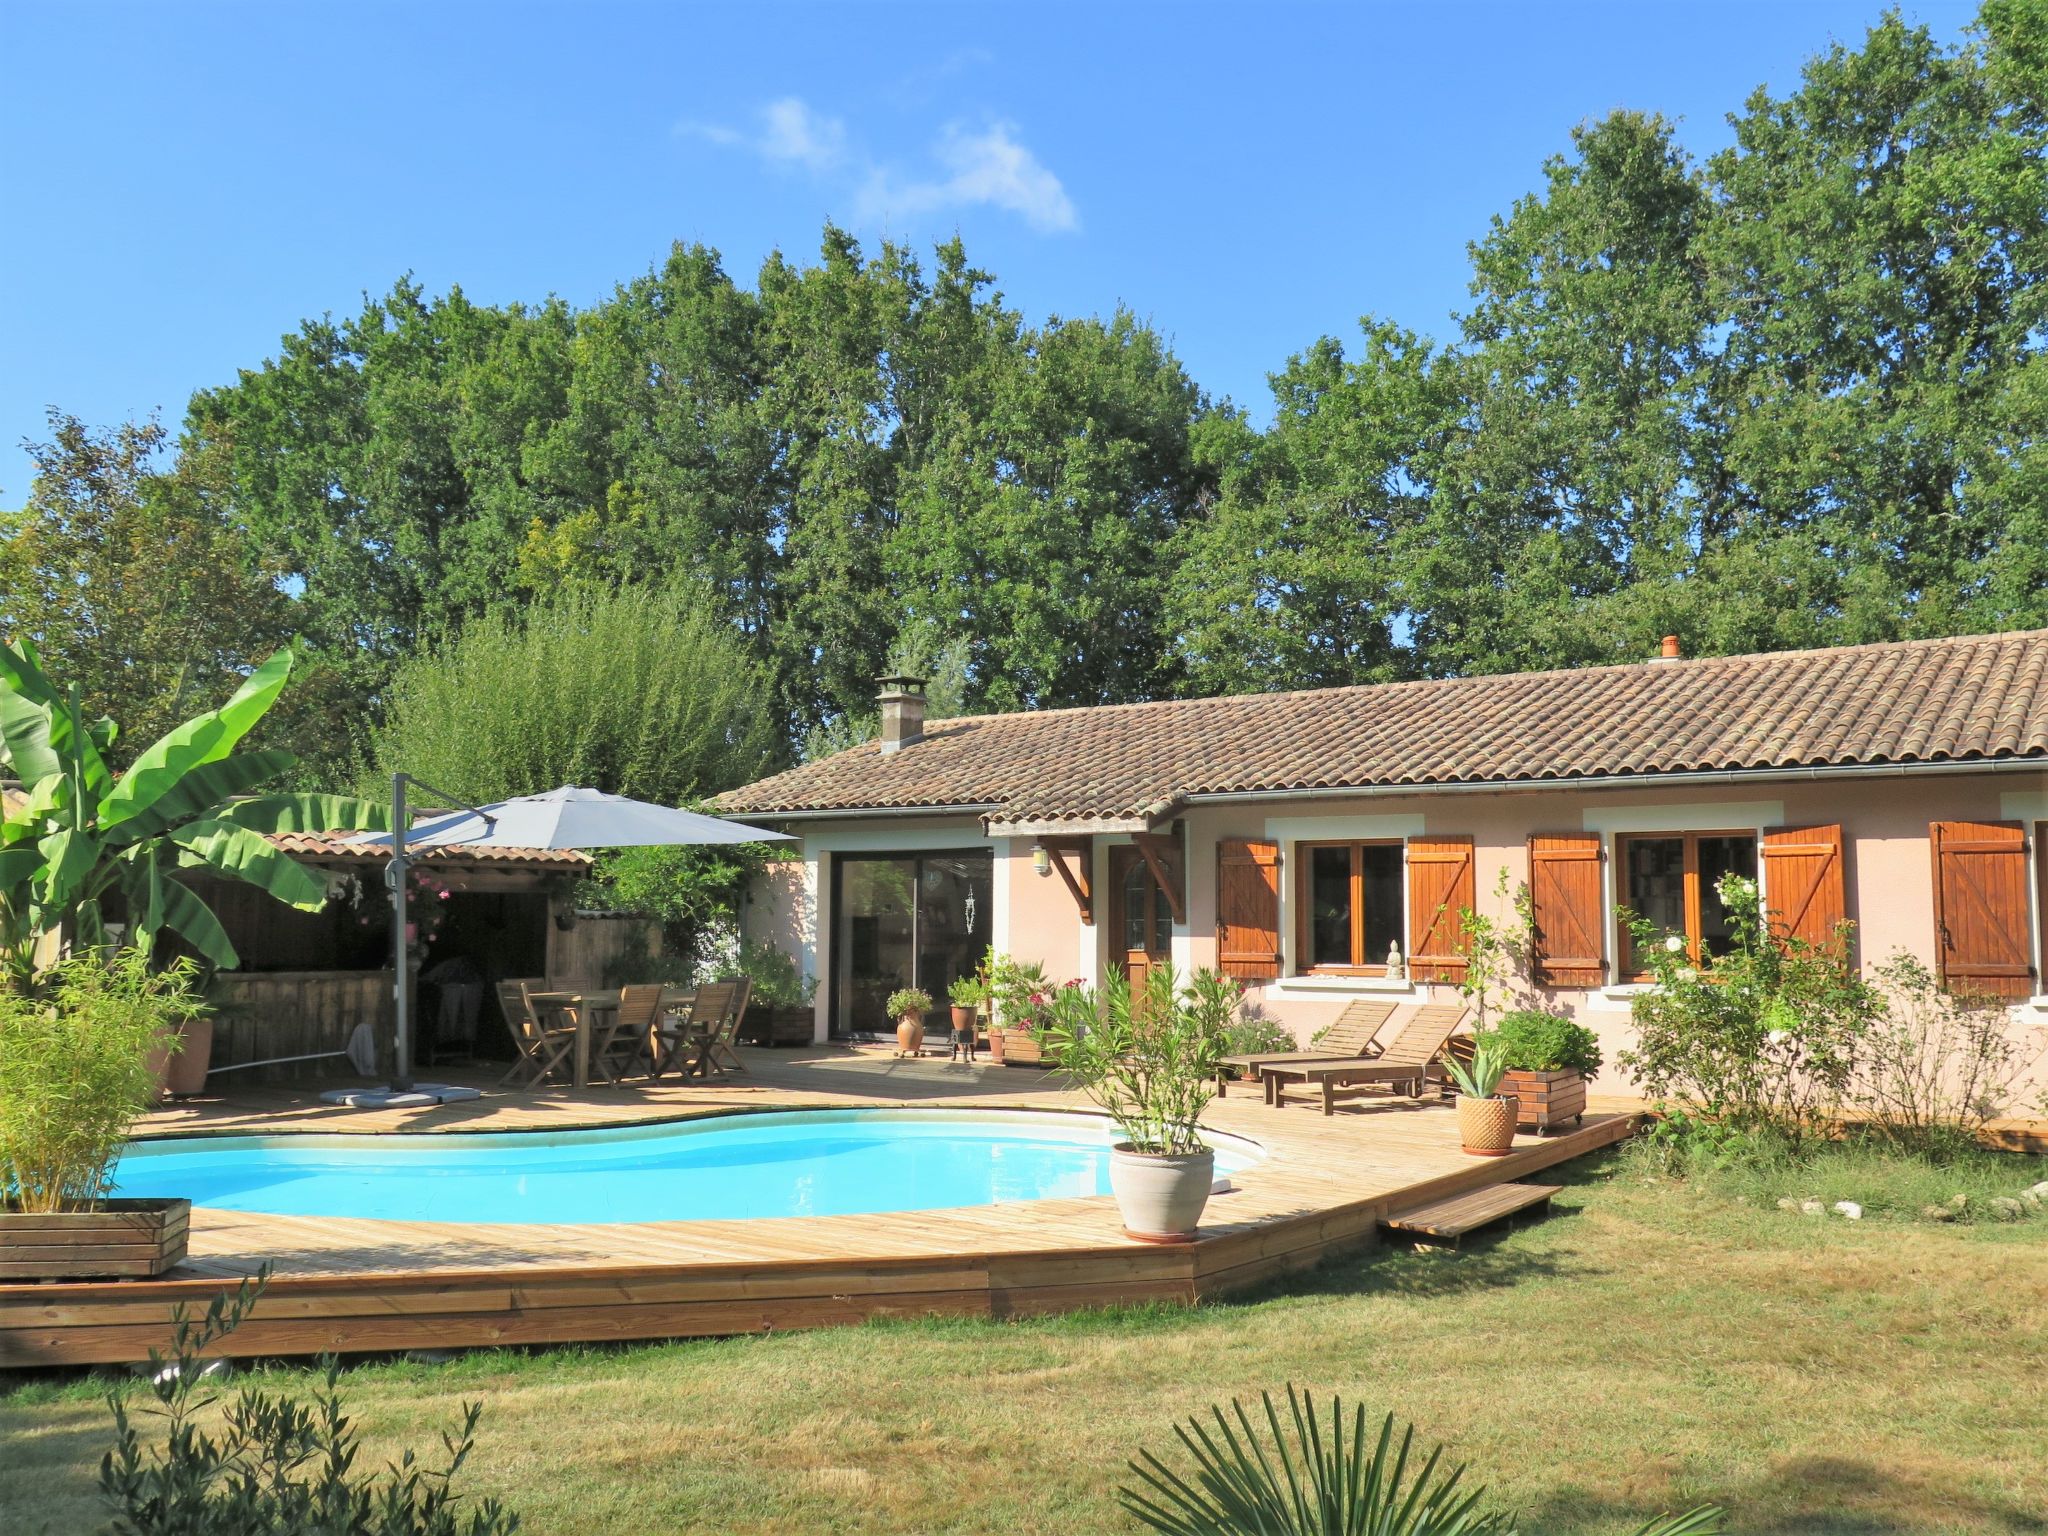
1323 1480
1480 1077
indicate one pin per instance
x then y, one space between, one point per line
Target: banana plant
79 833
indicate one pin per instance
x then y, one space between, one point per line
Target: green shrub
778 982
1325 1478
277 1465
1764 1037
75 1072
1256 1036
1538 1041
968 992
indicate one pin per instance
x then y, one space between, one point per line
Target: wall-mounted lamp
1041 859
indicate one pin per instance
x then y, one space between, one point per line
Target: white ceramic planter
1161 1195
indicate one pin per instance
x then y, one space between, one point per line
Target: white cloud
795 132
991 168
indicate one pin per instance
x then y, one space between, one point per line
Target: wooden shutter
1440 886
1248 909
1570 948
1802 869
1981 938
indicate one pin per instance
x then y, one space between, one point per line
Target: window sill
1347 986
1621 997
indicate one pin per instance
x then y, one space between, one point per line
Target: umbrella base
417 1096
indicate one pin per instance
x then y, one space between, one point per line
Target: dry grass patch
1649 1347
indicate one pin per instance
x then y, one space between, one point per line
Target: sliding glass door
901 920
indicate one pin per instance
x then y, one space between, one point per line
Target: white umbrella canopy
571 817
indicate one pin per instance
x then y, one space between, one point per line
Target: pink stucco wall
1889 875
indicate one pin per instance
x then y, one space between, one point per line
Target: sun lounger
1403 1065
1349 1039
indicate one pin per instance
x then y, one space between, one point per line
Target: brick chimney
902 701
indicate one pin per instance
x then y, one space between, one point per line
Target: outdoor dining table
588 1008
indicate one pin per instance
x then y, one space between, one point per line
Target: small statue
1397 968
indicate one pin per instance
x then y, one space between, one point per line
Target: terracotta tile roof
1981 697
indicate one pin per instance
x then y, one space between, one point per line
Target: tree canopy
1793 394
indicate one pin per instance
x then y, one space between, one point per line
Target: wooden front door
1140 917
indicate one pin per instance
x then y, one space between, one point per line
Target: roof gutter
851 812
2034 765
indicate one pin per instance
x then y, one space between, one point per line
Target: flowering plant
1763 1036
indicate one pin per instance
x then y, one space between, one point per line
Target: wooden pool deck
1322 1188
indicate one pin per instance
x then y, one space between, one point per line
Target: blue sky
183 183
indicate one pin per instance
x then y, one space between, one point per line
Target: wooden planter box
120 1240
777 1026
1016 1047
1547 1098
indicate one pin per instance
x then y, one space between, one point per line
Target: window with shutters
1349 906
1670 880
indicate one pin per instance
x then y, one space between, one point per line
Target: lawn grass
1651 1346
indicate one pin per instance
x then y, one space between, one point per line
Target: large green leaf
21 670
19 864
309 813
204 739
203 791
27 729
240 854
185 913
68 857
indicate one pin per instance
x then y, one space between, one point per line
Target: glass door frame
837 1026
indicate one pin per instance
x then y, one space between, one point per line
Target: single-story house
1318 844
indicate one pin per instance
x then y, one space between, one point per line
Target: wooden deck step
1451 1219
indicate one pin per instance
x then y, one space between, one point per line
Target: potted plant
1020 994
967 995
908 1006
1150 1060
780 1007
75 1074
1486 1118
1252 1037
1549 1062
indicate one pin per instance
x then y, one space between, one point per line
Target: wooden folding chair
682 1039
629 1039
542 1047
718 1042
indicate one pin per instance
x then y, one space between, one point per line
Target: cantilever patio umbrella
568 817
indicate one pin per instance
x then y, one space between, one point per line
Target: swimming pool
790 1163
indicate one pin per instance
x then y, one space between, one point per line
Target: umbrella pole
401 1044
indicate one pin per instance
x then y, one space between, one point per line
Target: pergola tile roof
1977 697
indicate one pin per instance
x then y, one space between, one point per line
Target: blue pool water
800 1163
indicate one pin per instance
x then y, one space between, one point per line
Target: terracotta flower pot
995 1043
1160 1194
1486 1126
181 1074
963 1020
910 1034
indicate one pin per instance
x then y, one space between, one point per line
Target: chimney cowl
902 701
1671 650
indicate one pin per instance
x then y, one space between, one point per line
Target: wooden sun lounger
1349 1039
1405 1063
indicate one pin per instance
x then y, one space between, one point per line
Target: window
1670 881
1350 904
